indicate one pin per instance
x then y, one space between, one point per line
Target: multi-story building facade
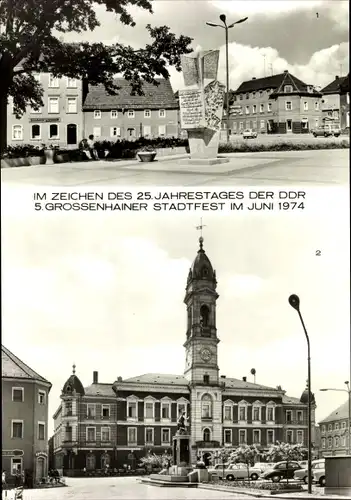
119 422
335 100
24 418
335 431
59 122
128 117
280 104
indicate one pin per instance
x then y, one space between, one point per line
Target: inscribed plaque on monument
214 100
211 64
192 109
190 69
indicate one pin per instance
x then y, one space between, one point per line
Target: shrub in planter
147 154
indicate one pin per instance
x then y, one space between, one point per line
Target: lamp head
294 301
323 390
223 18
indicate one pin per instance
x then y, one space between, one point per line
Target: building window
53 105
165 436
270 414
162 113
254 109
53 131
330 427
261 108
131 113
161 130
336 426
97 131
147 113
269 106
165 411
114 114
288 89
105 434
343 426
316 122
253 95
256 413
305 106
41 397
35 132
336 441
91 461
72 105
147 130
54 82
288 416
17 394
35 111
97 114
149 409
343 441
330 442
270 437
304 123
227 436
240 97
247 96
299 415
17 133
247 110
323 443
16 466
316 106
91 410
17 429
115 132
228 412
256 436
242 413
241 125
105 411
247 123
288 105
289 437
91 434
323 429
206 406
206 379
41 431
242 436
132 436
235 126
71 83
299 437
132 409
149 435
207 435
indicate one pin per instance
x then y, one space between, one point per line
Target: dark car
281 470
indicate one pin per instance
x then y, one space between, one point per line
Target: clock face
206 354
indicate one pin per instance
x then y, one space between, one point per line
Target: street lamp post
294 301
223 18
348 390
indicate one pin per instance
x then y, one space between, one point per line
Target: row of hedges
247 147
266 485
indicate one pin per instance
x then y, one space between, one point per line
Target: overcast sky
289 33
106 293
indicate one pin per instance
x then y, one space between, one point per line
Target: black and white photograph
175 249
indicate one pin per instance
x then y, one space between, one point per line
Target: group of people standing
87 146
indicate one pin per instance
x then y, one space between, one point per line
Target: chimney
244 379
254 78
336 77
223 376
95 377
286 71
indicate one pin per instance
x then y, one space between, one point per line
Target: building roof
340 413
159 96
345 84
334 86
13 367
272 82
235 383
158 378
99 390
288 400
202 267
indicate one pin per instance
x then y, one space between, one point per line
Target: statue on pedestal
181 424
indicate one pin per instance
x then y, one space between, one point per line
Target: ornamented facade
119 423
335 432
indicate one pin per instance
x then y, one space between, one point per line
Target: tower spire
201 239
74 369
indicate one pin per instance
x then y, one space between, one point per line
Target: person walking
91 146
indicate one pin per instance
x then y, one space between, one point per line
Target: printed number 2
318 253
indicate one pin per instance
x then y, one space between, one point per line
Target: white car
239 471
249 134
302 474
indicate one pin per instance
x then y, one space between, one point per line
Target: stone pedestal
181 451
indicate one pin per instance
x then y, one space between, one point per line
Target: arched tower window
204 272
204 315
206 406
207 435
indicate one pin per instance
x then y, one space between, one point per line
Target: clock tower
201 365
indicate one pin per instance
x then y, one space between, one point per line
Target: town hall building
118 423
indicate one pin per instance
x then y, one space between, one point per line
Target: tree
245 454
30 43
286 451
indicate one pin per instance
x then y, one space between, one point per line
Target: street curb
264 495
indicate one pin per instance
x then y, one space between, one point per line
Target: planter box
146 156
22 162
64 158
36 160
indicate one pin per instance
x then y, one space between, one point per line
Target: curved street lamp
294 301
348 390
225 26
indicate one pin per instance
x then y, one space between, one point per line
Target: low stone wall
171 151
23 162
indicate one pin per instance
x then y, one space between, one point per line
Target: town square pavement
319 168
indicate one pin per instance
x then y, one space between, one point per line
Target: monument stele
201 106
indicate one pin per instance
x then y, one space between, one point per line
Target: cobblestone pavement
305 168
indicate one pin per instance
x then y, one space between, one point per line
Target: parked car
264 465
281 470
327 131
319 473
239 471
249 134
218 468
302 474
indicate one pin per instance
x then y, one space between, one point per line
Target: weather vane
200 227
